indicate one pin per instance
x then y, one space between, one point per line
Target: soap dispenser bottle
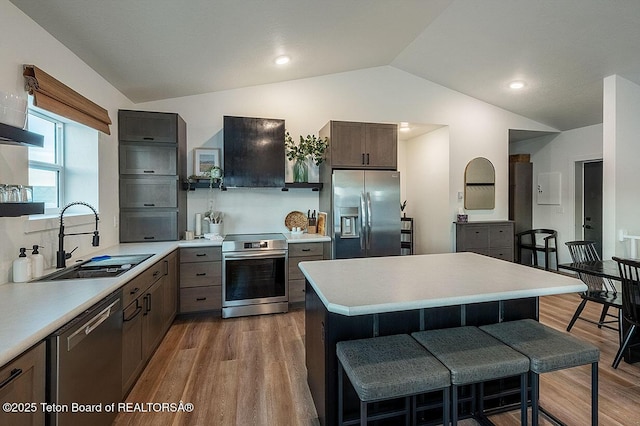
37 262
21 267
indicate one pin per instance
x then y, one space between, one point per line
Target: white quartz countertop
390 284
29 312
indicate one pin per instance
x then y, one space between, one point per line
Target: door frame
579 196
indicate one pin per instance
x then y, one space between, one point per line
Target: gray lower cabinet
491 238
300 252
22 386
200 279
150 302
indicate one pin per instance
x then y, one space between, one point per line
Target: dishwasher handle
90 325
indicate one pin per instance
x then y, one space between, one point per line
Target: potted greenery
311 147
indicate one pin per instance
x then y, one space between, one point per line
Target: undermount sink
98 267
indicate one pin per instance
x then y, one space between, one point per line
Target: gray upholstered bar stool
475 357
548 350
389 367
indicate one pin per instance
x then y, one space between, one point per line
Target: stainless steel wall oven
254 274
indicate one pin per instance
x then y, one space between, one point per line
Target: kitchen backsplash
251 210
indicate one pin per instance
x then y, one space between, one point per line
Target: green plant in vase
311 147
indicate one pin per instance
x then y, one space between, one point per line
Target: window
46 164
65 169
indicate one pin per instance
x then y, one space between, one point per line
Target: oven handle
263 255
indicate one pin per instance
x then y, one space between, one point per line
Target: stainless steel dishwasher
84 372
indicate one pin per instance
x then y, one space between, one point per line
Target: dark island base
324 329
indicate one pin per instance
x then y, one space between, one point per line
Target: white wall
382 94
559 153
621 154
426 166
24 42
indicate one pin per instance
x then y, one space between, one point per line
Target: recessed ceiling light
281 60
516 85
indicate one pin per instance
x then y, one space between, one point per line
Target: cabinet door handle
367 158
135 313
14 375
363 159
147 303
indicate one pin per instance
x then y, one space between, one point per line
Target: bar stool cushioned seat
474 357
549 350
389 367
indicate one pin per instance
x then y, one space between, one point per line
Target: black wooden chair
600 290
529 240
630 274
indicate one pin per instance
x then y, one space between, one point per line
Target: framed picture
204 159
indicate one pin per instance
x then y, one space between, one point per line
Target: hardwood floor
251 371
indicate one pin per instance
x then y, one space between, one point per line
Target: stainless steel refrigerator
364 210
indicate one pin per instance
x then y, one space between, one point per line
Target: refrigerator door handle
368 239
363 221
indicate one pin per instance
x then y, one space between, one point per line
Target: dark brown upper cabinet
355 145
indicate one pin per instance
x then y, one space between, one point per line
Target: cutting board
322 223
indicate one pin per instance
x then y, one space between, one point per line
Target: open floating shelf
11 135
314 186
20 209
193 184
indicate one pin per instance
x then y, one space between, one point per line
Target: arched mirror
479 185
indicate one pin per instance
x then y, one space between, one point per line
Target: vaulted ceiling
158 49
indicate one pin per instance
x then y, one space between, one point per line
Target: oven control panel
256 245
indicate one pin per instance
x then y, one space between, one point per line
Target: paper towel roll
198 224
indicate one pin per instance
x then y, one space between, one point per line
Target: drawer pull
14 375
148 138
149 238
156 273
307 249
201 299
149 204
148 171
201 274
134 291
201 254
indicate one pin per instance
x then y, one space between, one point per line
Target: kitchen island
358 298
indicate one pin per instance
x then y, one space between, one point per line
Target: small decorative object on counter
198 225
309 148
312 228
21 267
214 220
37 262
462 217
403 205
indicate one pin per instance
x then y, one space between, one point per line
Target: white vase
215 228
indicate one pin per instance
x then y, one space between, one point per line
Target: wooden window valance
54 96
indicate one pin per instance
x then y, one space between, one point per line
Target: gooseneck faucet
61 256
